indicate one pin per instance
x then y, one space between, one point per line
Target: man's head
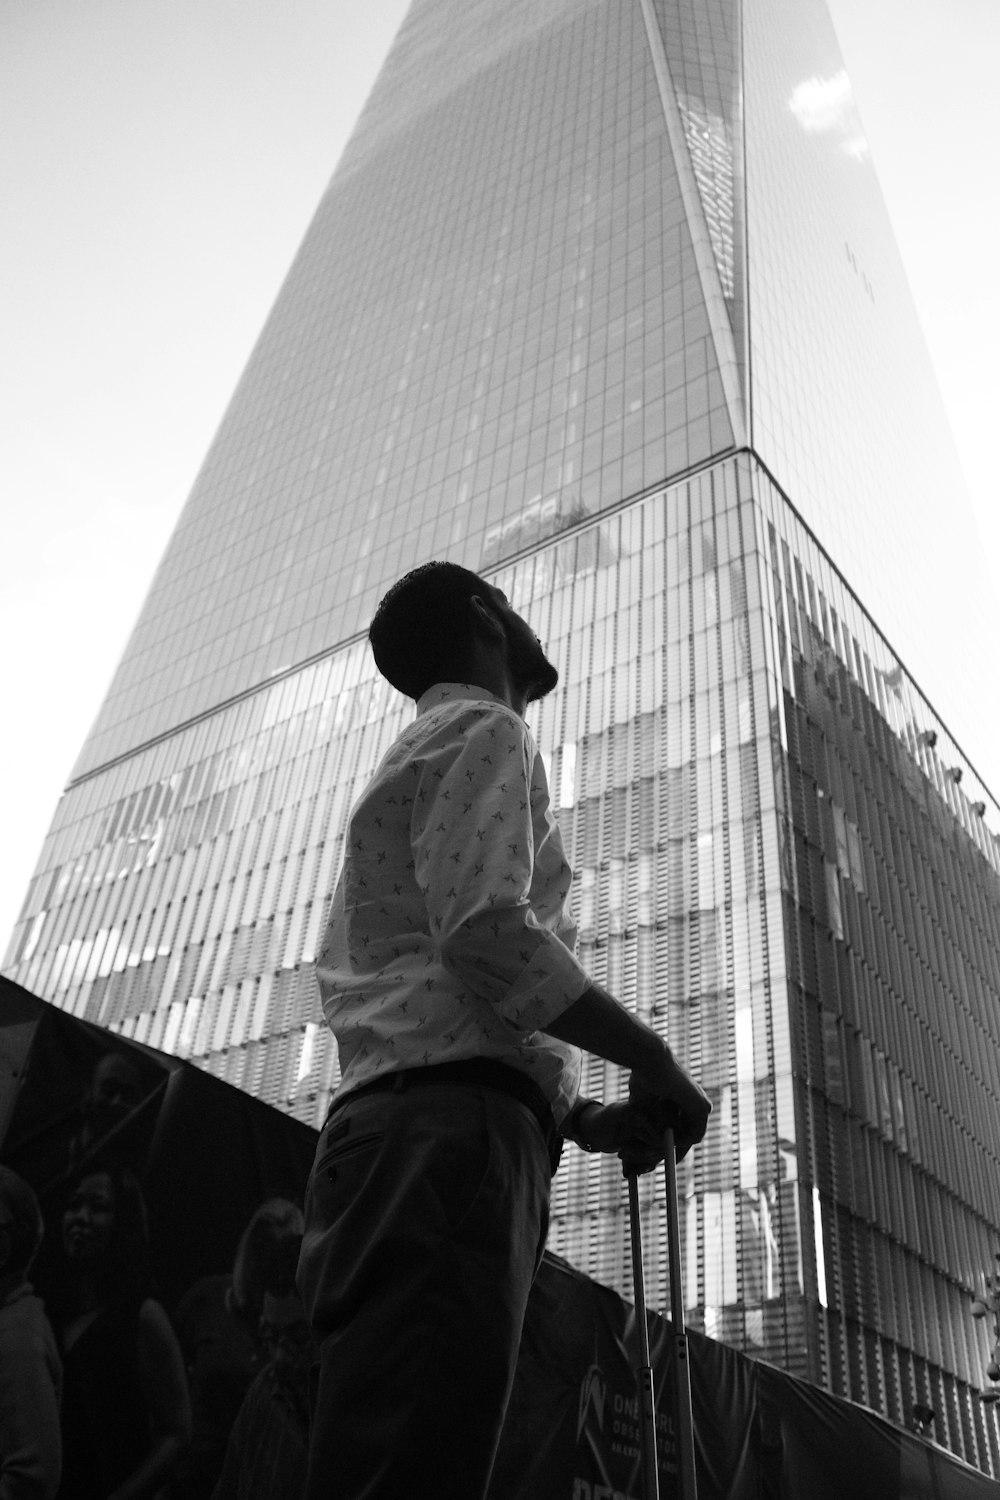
283 1326
286 1335
113 1091
21 1227
443 623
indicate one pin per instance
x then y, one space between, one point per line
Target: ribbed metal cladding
772 866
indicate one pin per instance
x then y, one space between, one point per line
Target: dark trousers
426 1217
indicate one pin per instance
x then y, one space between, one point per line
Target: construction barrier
208 1154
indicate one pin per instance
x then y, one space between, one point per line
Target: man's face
287 1336
114 1090
531 671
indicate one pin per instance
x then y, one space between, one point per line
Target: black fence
207 1155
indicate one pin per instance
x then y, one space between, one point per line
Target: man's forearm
598 1023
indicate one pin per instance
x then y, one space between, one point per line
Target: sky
159 163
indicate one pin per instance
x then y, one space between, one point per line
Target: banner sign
572 1429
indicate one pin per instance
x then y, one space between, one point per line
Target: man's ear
485 618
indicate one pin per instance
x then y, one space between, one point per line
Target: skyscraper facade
602 301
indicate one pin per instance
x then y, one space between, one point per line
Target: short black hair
421 631
24 1222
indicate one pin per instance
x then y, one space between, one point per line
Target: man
448 977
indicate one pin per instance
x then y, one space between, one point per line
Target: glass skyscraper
602 301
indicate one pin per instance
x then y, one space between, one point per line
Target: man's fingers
640 1165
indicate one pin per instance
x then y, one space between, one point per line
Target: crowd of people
107 1395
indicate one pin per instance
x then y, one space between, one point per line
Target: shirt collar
449 692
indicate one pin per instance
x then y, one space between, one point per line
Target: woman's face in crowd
89 1221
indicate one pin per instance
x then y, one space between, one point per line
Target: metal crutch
687 1488
644 1372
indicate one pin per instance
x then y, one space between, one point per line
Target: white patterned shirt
449 935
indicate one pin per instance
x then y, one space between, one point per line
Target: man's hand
624 1129
670 1096
597 1023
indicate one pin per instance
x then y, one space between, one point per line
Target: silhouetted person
448 976
113 1091
30 1371
218 1325
269 1445
126 1415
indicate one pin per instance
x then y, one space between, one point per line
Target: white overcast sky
159 163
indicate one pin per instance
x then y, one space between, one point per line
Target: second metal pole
644 1373
687 1487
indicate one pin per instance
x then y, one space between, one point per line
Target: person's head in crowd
443 623
284 1327
21 1229
105 1233
275 1224
113 1091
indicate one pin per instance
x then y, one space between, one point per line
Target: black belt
481 1072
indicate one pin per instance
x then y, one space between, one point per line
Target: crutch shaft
683 1415
644 1373
673 1235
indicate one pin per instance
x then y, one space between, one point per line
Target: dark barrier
207 1155
572 1429
161 1187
